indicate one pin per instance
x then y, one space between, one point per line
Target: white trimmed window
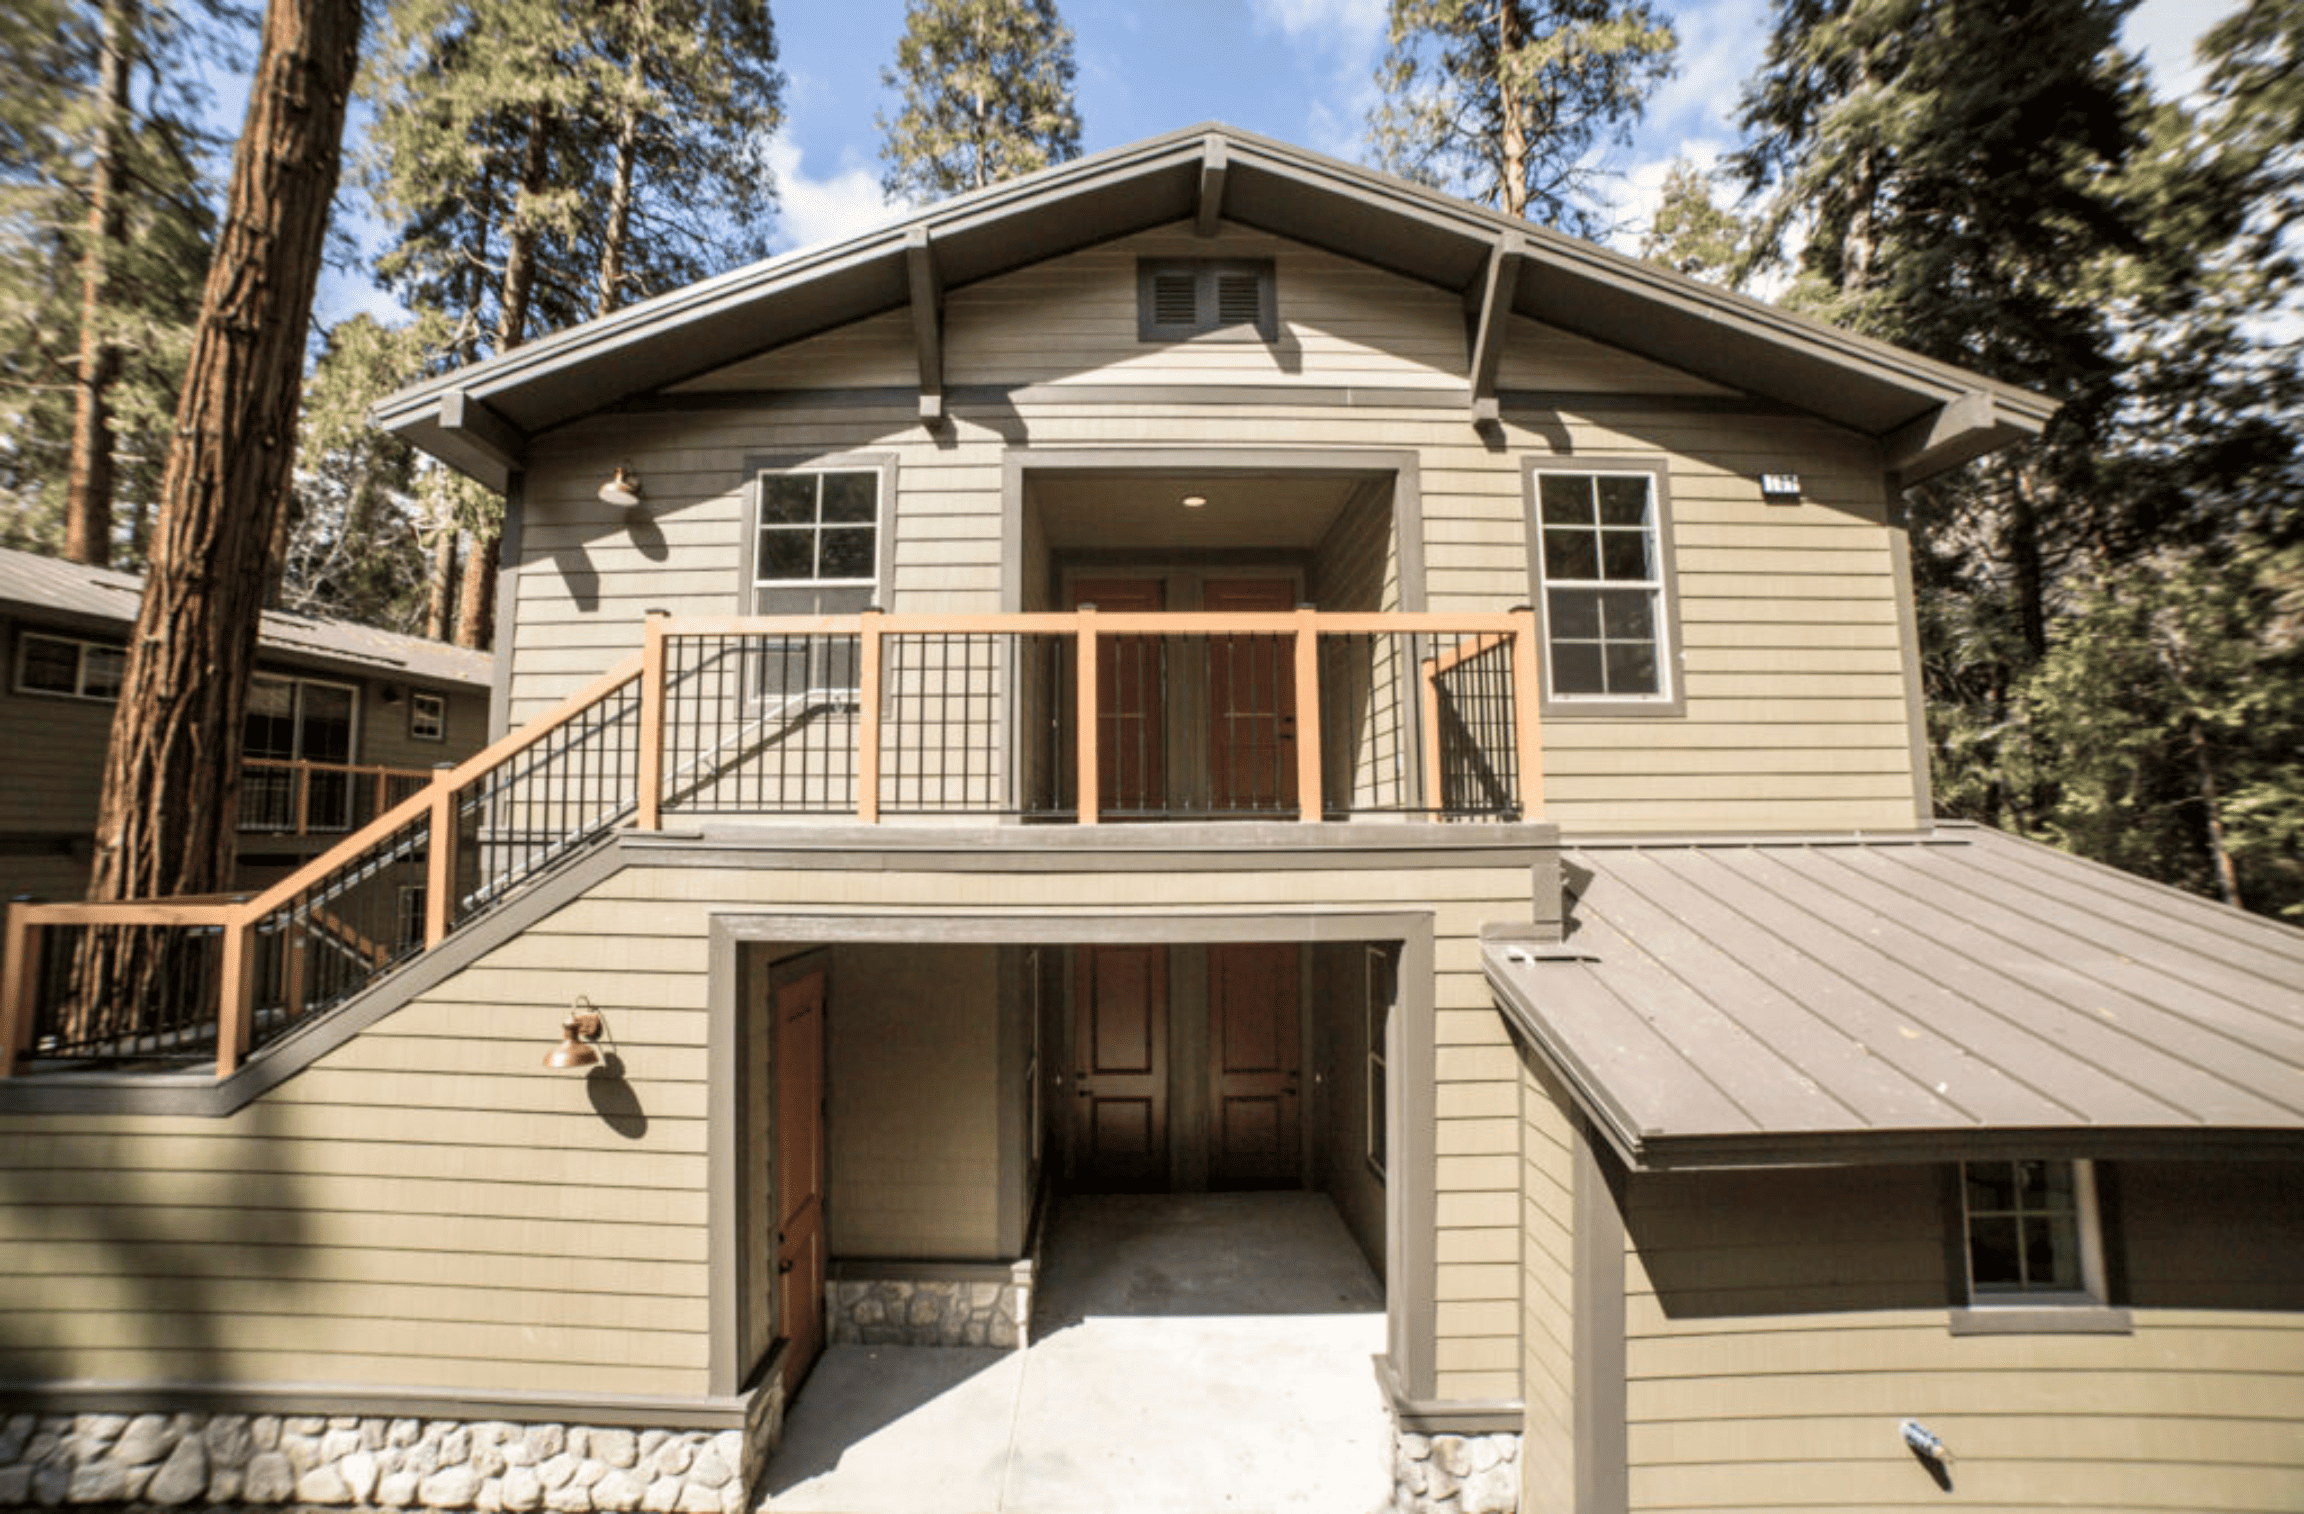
68 666
816 551
428 717
2032 1233
1600 563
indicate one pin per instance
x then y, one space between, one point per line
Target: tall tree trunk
172 777
89 479
620 188
2021 542
441 587
476 589
1860 245
1512 121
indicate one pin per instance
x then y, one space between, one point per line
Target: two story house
1205 667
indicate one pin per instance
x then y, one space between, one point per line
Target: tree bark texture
1514 180
89 477
172 777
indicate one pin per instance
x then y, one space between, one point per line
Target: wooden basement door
800 1239
1120 1070
1255 1065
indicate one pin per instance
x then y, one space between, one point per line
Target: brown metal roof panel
2002 964
1847 1040
2089 960
1961 990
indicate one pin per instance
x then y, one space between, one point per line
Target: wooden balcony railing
280 798
1081 718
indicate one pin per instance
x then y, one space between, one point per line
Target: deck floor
1192 1352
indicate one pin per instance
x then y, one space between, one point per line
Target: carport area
1190 1352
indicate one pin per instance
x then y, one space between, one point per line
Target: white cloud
1347 24
826 209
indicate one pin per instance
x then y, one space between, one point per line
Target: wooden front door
800 1245
1255 1061
1251 701
1131 731
1120 1069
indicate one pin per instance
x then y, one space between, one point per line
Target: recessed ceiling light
1195 501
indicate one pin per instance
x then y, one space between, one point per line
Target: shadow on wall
1723 1245
614 1099
147 1249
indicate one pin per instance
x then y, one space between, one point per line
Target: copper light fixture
623 490
578 1033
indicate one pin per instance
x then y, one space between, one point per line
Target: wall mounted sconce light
622 490
579 1035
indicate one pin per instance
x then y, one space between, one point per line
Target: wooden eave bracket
1487 307
476 440
1209 213
1953 433
927 321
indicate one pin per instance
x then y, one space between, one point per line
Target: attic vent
1180 298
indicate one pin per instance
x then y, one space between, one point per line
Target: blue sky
1298 70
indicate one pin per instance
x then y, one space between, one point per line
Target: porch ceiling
1130 512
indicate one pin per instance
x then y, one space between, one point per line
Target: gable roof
69 593
1966 994
1931 415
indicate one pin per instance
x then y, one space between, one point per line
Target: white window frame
1668 697
82 647
427 716
825 682
2088 1239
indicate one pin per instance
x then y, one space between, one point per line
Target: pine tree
544 161
1506 101
172 775
104 233
1690 232
987 92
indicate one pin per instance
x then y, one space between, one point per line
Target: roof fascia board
1214 165
927 289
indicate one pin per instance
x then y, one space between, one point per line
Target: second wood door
1255 1066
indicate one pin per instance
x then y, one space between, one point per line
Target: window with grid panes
2031 1232
1600 559
817 553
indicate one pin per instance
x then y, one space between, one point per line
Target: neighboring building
341 719
1225 819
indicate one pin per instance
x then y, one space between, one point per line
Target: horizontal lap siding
1548 1290
1790 644
426 1207
1781 1326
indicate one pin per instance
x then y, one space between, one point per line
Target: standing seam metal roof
1725 1002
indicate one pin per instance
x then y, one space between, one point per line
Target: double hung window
1600 563
816 551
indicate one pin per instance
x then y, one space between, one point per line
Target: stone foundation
1455 1474
175 1460
886 1312
987 1306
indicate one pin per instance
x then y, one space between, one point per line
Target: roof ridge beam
1214 165
927 286
1487 304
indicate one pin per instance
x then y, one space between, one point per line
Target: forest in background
2112 618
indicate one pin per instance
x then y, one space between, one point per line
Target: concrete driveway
1191 1353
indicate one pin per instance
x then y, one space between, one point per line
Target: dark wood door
1251 701
800 1242
1131 728
1120 1070
1255 1061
